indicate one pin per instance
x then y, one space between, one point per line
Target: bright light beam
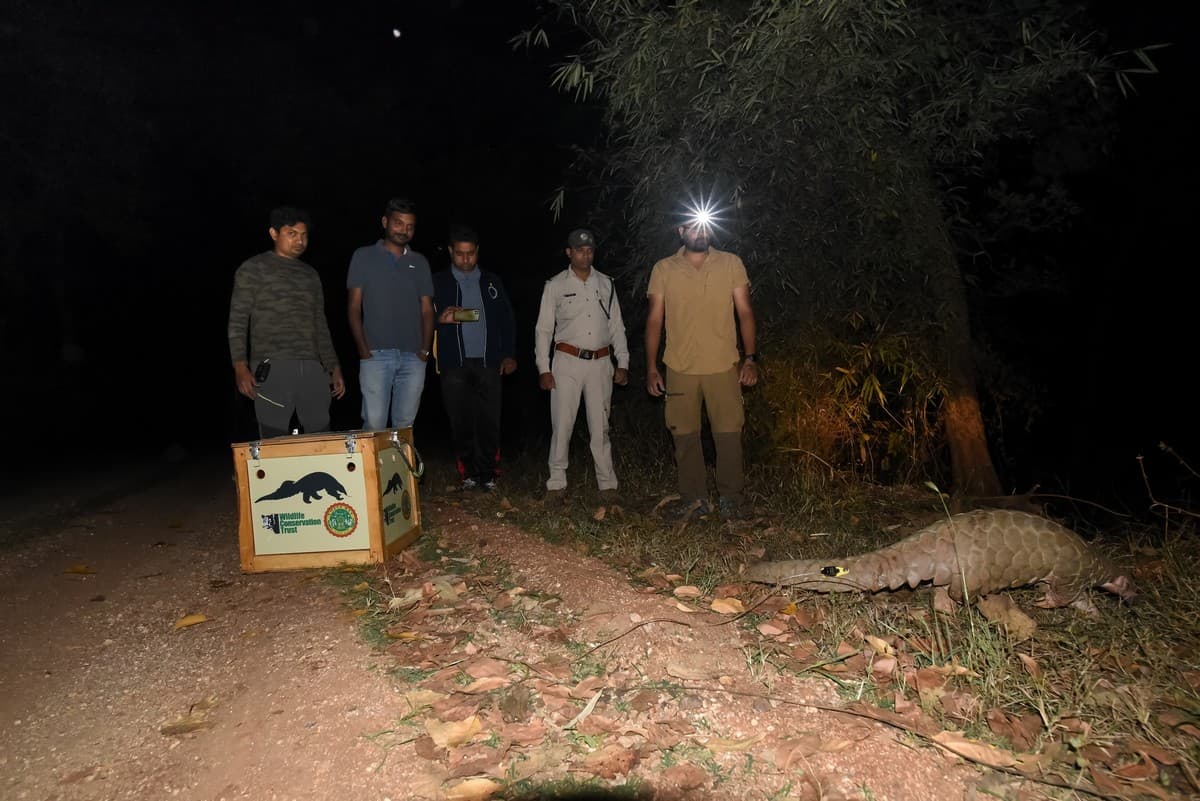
703 213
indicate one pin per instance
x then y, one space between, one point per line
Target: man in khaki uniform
581 315
702 295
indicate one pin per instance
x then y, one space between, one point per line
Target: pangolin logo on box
308 488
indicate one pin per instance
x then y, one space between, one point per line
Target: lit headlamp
701 217
702 214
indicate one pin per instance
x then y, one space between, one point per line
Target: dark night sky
160 136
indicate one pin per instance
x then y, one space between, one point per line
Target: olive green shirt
278 312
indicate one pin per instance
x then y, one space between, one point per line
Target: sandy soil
275 696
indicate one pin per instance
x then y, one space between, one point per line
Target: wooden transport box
318 500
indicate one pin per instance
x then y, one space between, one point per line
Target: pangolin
972 554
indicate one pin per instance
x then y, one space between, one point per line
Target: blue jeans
390 375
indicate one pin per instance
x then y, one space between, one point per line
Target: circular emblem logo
406 505
341 520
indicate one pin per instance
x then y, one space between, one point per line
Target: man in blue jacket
474 347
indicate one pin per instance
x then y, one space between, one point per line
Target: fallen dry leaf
960 705
682 607
880 646
524 735
1001 610
189 620
1031 666
1159 755
599 724
952 669
791 751
915 720
485 667
975 751
698 670
835 745
486 684
883 667
1144 768
687 591
452 733
721 745
402 635
476 760
80 570
1021 731
770 629
727 606
421 698
447 591
409 597
427 781
473 790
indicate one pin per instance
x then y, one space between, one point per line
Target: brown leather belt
582 353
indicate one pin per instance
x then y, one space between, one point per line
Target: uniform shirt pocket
568 306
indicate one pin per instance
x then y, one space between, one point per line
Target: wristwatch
751 357
423 353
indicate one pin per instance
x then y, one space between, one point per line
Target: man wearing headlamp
701 295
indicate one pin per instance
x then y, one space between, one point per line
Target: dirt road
275 697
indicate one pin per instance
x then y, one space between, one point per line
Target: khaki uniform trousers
721 396
591 380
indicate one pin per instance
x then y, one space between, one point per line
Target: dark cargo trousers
292 385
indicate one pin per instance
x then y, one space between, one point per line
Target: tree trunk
972 472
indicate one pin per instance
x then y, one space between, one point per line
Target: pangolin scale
972 554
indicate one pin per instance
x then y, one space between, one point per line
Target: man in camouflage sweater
283 356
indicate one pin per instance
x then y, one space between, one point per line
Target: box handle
419 469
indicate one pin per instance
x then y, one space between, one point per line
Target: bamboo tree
831 131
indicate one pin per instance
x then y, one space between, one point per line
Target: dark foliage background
143 145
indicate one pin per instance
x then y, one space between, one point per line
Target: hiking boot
468 484
555 498
683 511
489 485
730 509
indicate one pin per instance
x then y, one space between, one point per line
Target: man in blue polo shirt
391 318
